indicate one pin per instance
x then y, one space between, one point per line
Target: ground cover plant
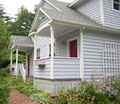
103 91
27 88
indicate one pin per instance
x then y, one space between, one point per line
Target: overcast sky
12 6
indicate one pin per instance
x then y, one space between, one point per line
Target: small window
50 50
116 4
38 53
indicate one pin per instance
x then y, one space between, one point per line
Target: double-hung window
116 4
38 53
50 50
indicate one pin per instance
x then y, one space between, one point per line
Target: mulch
19 98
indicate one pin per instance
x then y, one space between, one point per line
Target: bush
92 92
4 90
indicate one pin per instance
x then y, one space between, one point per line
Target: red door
73 48
28 64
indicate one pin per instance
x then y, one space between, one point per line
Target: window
50 50
38 53
116 4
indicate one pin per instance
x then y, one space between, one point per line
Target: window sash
38 53
50 50
116 5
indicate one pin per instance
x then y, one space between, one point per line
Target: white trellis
111 59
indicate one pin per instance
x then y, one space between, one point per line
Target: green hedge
4 90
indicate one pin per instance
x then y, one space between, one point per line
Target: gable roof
67 14
22 41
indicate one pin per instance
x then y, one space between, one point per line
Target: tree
4 40
22 23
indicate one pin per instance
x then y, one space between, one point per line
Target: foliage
4 40
28 89
22 23
92 92
42 98
4 89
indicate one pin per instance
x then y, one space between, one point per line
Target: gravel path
19 98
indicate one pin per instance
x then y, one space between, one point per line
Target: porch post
35 51
81 54
11 61
35 48
52 50
16 62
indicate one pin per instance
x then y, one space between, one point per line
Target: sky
12 6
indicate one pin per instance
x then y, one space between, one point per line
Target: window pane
116 6
116 1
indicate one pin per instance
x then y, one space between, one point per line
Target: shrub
4 90
92 92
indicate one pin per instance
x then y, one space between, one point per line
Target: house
68 42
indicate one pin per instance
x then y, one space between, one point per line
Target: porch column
16 62
81 54
35 46
52 50
11 61
35 52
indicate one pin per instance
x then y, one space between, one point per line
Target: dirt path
19 98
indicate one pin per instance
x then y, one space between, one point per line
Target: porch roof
21 41
67 14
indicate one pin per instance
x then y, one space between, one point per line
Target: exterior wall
42 71
42 43
54 86
111 16
66 68
61 43
91 8
93 46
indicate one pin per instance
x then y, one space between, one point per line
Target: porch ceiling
59 29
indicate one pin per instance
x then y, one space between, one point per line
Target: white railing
22 70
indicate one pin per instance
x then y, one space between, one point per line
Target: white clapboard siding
91 8
42 43
93 46
111 16
43 71
66 68
61 43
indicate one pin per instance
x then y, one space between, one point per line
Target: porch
21 44
63 52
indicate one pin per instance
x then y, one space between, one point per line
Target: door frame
28 65
68 46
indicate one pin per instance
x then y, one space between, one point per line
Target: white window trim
114 9
68 47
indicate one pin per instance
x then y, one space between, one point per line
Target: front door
73 48
28 64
